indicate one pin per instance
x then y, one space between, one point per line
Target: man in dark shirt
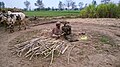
66 30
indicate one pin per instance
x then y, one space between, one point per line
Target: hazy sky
47 3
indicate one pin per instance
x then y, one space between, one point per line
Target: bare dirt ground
89 53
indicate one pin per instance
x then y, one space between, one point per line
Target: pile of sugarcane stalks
41 46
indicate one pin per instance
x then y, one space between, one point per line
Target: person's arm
63 32
53 32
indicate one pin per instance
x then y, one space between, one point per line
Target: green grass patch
105 40
52 13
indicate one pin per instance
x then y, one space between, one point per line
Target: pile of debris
41 46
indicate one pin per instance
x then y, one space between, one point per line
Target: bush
89 12
102 11
83 13
110 10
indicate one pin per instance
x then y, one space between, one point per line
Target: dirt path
108 27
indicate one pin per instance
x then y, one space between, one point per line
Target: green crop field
52 13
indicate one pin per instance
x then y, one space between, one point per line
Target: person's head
58 24
66 23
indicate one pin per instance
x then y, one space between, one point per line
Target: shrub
88 11
113 12
101 11
105 40
110 10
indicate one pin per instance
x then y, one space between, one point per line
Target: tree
68 3
105 1
53 8
60 5
40 4
85 5
27 4
48 8
94 2
64 5
80 5
119 2
2 5
73 5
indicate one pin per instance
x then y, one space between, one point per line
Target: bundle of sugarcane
41 46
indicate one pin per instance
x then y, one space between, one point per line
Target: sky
47 3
